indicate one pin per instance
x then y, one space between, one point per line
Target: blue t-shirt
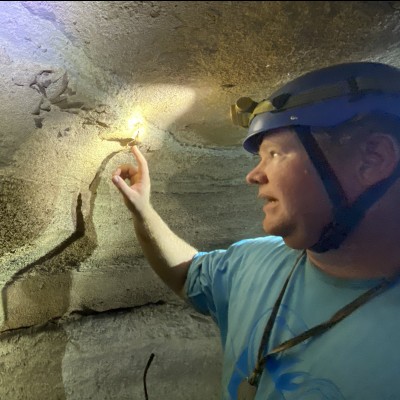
357 359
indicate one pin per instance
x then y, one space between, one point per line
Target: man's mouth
269 202
268 199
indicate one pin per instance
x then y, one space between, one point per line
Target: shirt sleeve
208 283
210 279
212 275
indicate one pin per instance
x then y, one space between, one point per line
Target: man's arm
168 255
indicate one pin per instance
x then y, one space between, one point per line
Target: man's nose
257 176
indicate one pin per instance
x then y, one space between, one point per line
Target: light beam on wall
136 128
146 109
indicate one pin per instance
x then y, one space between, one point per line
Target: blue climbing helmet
326 98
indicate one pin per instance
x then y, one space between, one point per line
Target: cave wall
81 310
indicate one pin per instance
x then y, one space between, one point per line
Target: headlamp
353 89
245 109
242 110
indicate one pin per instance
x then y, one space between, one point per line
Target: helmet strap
321 164
345 217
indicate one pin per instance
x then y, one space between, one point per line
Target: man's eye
273 154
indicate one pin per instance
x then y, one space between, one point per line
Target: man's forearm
168 255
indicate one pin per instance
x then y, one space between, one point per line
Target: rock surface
73 75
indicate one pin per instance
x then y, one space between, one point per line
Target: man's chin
294 244
274 230
294 236
286 234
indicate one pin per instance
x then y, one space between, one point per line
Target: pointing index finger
140 159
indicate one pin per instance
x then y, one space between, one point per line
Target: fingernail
115 179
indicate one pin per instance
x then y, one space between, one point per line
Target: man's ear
380 154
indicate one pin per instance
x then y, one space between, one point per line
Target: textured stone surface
104 356
72 76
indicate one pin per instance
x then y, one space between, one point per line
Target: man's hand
137 194
168 255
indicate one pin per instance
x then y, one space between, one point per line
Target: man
310 311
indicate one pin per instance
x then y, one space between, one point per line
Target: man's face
296 204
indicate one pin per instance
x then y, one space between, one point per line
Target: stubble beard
279 228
